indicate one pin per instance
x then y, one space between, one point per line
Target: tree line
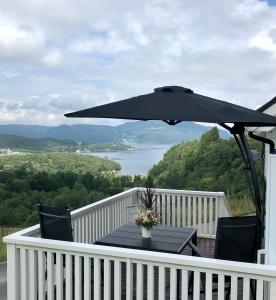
208 164
21 190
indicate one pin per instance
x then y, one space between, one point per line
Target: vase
146 232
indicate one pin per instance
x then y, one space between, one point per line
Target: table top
168 239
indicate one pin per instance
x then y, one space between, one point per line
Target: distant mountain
155 132
36 144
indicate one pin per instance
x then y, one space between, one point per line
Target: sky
65 55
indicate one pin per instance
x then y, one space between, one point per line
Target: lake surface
138 161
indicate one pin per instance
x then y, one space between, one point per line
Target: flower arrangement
146 219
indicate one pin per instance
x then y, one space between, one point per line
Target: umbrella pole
238 133
256 189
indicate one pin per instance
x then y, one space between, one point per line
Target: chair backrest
236 239
55 223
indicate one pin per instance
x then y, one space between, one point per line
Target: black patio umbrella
174 104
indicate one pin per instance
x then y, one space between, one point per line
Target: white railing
192 209
182 208
65 270
81 270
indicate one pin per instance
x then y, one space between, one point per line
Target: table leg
194 241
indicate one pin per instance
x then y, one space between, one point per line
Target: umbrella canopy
174 104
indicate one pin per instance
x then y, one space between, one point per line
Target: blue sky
60 56
272 2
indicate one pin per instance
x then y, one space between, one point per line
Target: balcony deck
81 270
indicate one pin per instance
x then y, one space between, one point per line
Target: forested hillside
15 142
211 163
57 162
21 190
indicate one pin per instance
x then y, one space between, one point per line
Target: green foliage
23 143
46 144
57 162
21 190
211 164
3 247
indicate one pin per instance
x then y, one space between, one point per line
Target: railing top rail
146 256
75 213
190 192
34 229
102 202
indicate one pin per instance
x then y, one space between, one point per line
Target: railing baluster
196 293
41 275
129 280
205 216
87 231
78 276
234 288
139 282
150 279
161 283
199 226
87 278
33 274
189 211
211 221
173 283
209 286
259 290
59 275
117 280
164 205
50 276
184 211
194 210
178 210
107 283
184 285
24 274
97 278
221 286
216 213
246 289
173 211
68 277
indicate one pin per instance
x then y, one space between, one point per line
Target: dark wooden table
168 239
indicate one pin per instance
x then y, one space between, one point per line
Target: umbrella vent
173 89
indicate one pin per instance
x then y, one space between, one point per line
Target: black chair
235 241
55 223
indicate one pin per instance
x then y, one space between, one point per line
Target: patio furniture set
235 241
105 256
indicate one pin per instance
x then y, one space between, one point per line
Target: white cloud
18 41
265 40
53 59
77 54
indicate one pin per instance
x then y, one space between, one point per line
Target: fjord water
138 161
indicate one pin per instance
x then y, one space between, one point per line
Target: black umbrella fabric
174 104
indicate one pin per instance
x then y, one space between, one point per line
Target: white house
270 173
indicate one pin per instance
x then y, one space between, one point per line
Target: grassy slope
3 249
54 162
